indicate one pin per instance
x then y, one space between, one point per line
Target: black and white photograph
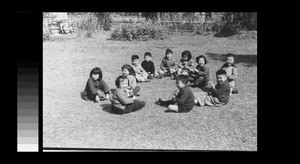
149 81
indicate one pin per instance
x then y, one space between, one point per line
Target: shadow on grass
107 108
249 60
170 111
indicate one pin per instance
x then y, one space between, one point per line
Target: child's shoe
158 102
103 98
167 74
173 76
192 84
158 76
150 77
234 91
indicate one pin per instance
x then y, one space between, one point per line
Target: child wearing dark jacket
200 75
184 100
121 100
148 65
219 94
95 86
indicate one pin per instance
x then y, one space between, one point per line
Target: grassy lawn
69 121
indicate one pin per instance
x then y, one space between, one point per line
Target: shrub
228 30
208 28
244 35
142 31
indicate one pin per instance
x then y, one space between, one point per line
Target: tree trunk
158 17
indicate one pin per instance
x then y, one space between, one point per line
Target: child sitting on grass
148 65
140 74
200 74
95 86
231 70
183 100
129 73
122 103
185 65
219 94
168 66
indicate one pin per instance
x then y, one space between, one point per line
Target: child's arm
174 64
152 68
221 92
104 86
123 97
132 81
181 97
204 72
234 74
92 87
97 98
180 64
142 70
190 65
144 64
162 66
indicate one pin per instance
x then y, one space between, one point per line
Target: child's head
186 55
121 82
147 56
135 59
181 81
127 70
201 60
169 53
96 73
229 59
221 76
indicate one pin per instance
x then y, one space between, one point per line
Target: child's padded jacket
231 71
203 71
167 64
185 99
93 86
120 99
222 92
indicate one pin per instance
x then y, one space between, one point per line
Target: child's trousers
137 104
232 85
136 90
200 81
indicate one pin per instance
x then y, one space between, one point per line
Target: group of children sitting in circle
124 97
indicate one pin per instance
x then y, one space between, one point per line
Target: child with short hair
121 102
148 65
231 70
185 65
140 74
219 94
184 99
95 86
129 73
168 66
200 74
